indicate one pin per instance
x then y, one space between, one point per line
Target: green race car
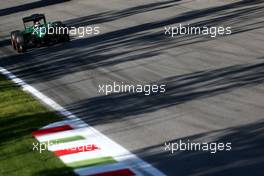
38 32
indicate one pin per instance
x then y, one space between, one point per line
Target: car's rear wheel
13 39
20 44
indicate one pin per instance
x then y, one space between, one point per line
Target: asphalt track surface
214 85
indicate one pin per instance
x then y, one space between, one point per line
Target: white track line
113 149
55 124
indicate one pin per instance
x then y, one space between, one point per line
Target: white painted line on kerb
114 149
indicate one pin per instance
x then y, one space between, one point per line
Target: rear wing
34 17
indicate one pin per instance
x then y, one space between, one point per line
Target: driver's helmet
36 23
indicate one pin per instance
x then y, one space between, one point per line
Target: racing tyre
13 39
20 44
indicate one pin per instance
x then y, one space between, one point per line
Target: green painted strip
92 162
63 140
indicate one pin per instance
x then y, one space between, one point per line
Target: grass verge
20 114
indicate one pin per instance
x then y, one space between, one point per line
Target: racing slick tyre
13 39
20 44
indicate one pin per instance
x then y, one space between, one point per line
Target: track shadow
245 158
116 15
29 6
130 44
180 89
4 43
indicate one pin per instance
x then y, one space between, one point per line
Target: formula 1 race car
38 33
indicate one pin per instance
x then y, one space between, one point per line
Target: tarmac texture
214 86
